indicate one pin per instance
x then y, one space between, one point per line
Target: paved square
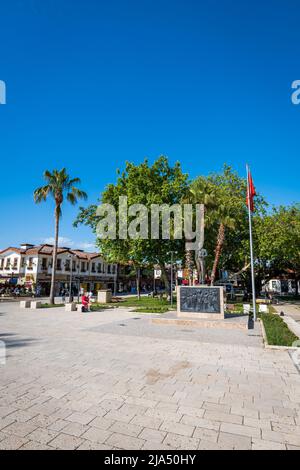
112 380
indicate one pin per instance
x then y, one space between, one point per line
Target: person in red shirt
85 300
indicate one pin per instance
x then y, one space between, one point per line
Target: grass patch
46 305
143 305
152 309
96 307
278 333
144 302
238 308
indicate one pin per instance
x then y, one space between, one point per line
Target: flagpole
251 248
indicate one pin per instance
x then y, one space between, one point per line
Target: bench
71 307
35 304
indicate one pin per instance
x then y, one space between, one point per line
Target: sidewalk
293 310
292 316
112 380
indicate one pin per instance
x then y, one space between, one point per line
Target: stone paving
112 380
292 310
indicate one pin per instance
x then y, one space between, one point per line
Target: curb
273 346
291 323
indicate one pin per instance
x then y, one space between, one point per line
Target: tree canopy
278 238
276 233
145 184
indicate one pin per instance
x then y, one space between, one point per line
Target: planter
36 304
71 307
104 296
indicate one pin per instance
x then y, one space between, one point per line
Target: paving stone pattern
112 380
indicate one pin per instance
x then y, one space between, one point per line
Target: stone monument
200 302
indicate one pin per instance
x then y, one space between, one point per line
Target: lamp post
115 280
71 272
172 262
78 289
172 278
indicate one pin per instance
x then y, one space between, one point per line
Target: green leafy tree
278 240
59 185
226 218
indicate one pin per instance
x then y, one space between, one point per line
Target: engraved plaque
201 301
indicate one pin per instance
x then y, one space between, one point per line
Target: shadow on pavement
11 340
235 315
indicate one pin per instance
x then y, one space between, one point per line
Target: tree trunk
54 258
218 251
296 282
116 280
138 288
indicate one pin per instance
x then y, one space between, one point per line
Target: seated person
85 300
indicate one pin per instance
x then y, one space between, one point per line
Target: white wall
36 266
10 255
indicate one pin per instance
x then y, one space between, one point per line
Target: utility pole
172 278
251 243
71 272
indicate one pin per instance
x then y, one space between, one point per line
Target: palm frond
59 184
41 193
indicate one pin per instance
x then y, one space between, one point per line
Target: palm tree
201 191
225 222
217 213
59 185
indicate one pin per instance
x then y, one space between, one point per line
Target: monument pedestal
201 307
239 322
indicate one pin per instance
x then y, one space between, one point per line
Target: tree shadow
235 315
11 340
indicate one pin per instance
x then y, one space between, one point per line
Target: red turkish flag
250 192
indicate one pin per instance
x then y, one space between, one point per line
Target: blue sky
92 83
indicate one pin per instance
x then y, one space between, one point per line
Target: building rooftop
46 249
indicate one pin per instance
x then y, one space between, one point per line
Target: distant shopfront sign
157 273
8 279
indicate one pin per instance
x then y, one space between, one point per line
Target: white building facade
31 265
282 286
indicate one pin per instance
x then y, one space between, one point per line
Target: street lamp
172 262
71 272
